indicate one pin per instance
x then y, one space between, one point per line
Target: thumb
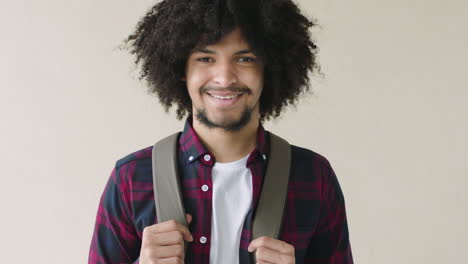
188 217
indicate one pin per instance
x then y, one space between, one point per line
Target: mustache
232 89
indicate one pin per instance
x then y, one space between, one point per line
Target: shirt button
190 158
203 240
205 188
207 157
264 156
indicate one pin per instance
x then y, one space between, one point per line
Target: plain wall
389 113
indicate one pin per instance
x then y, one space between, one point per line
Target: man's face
225 81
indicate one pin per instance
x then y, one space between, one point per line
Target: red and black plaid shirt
314 218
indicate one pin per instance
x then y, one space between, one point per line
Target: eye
205 59
247 59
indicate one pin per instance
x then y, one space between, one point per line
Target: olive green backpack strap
167 191
269 214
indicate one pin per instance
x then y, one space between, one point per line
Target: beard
228 124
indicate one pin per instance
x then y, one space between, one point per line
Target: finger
266 255
169 226
263 262
169 238
272 244
173 260
188 217
171 252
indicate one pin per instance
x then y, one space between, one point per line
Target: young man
228 66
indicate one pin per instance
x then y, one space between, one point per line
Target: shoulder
133 167
142 154
307 156
300 155
309 166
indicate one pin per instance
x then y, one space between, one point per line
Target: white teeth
224 97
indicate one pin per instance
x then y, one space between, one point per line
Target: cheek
254 82
194 82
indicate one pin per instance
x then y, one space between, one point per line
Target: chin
229 122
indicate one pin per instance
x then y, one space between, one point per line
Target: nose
224 75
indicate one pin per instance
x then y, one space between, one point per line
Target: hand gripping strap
269 213
167 193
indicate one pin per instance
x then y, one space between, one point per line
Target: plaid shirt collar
193 148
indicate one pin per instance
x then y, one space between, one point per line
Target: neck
228 146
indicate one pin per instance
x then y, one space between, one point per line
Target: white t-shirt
232 197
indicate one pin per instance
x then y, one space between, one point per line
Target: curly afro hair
275 29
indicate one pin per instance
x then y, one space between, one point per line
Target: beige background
390 114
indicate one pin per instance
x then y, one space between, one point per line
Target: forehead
232 40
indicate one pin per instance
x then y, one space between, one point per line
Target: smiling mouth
225 97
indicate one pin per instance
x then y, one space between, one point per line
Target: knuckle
261 241
261 250
285 259
179 237
174 260
184 230
146 230
148 240
172 224
147 255
179 250
260 253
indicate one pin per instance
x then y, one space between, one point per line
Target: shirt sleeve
330 243
115 238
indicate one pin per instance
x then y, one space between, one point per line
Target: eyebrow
240 52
